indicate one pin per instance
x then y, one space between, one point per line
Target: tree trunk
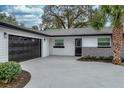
117 41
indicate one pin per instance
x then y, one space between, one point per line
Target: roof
78 32
7 25
63 32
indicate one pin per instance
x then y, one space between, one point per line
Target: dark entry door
23 48
78 47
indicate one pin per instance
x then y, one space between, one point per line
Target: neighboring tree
11 19
35 27
68 16
22 24
115 15
8 19
2 16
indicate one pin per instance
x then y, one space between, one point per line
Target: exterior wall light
33 40
5 35
44 39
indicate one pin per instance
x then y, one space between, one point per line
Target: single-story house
20 44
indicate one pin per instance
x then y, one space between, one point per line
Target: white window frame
55 43
103 41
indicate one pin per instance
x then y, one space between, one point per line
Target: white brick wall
69 43
91 41
45 47
3 48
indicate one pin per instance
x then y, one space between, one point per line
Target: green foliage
22 25
8 19
35 27
67 16
108 13
98 21
9 71
94 58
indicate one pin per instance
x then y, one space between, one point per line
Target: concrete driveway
66 72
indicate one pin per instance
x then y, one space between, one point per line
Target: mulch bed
104 61
20 82
122 64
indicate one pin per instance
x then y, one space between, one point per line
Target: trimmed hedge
94 58
9 71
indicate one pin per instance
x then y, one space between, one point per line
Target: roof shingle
63 32
78 31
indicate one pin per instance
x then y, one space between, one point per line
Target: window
59 43
104 42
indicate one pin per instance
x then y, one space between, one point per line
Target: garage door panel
23 48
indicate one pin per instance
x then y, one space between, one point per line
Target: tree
2 16
115 15
11 19
35 27
69 16
22 24
8 18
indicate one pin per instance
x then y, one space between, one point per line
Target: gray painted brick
94 51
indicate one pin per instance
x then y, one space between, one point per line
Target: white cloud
27 9
108 24
27 14
7 14
29 19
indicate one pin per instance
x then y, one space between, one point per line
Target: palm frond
98 21
113 13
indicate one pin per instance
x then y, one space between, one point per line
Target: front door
78 46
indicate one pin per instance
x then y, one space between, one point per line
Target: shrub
9 71
100 58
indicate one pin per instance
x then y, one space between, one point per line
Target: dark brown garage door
23 48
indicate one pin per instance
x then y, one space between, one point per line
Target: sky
27 14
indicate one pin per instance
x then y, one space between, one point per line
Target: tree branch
55 15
